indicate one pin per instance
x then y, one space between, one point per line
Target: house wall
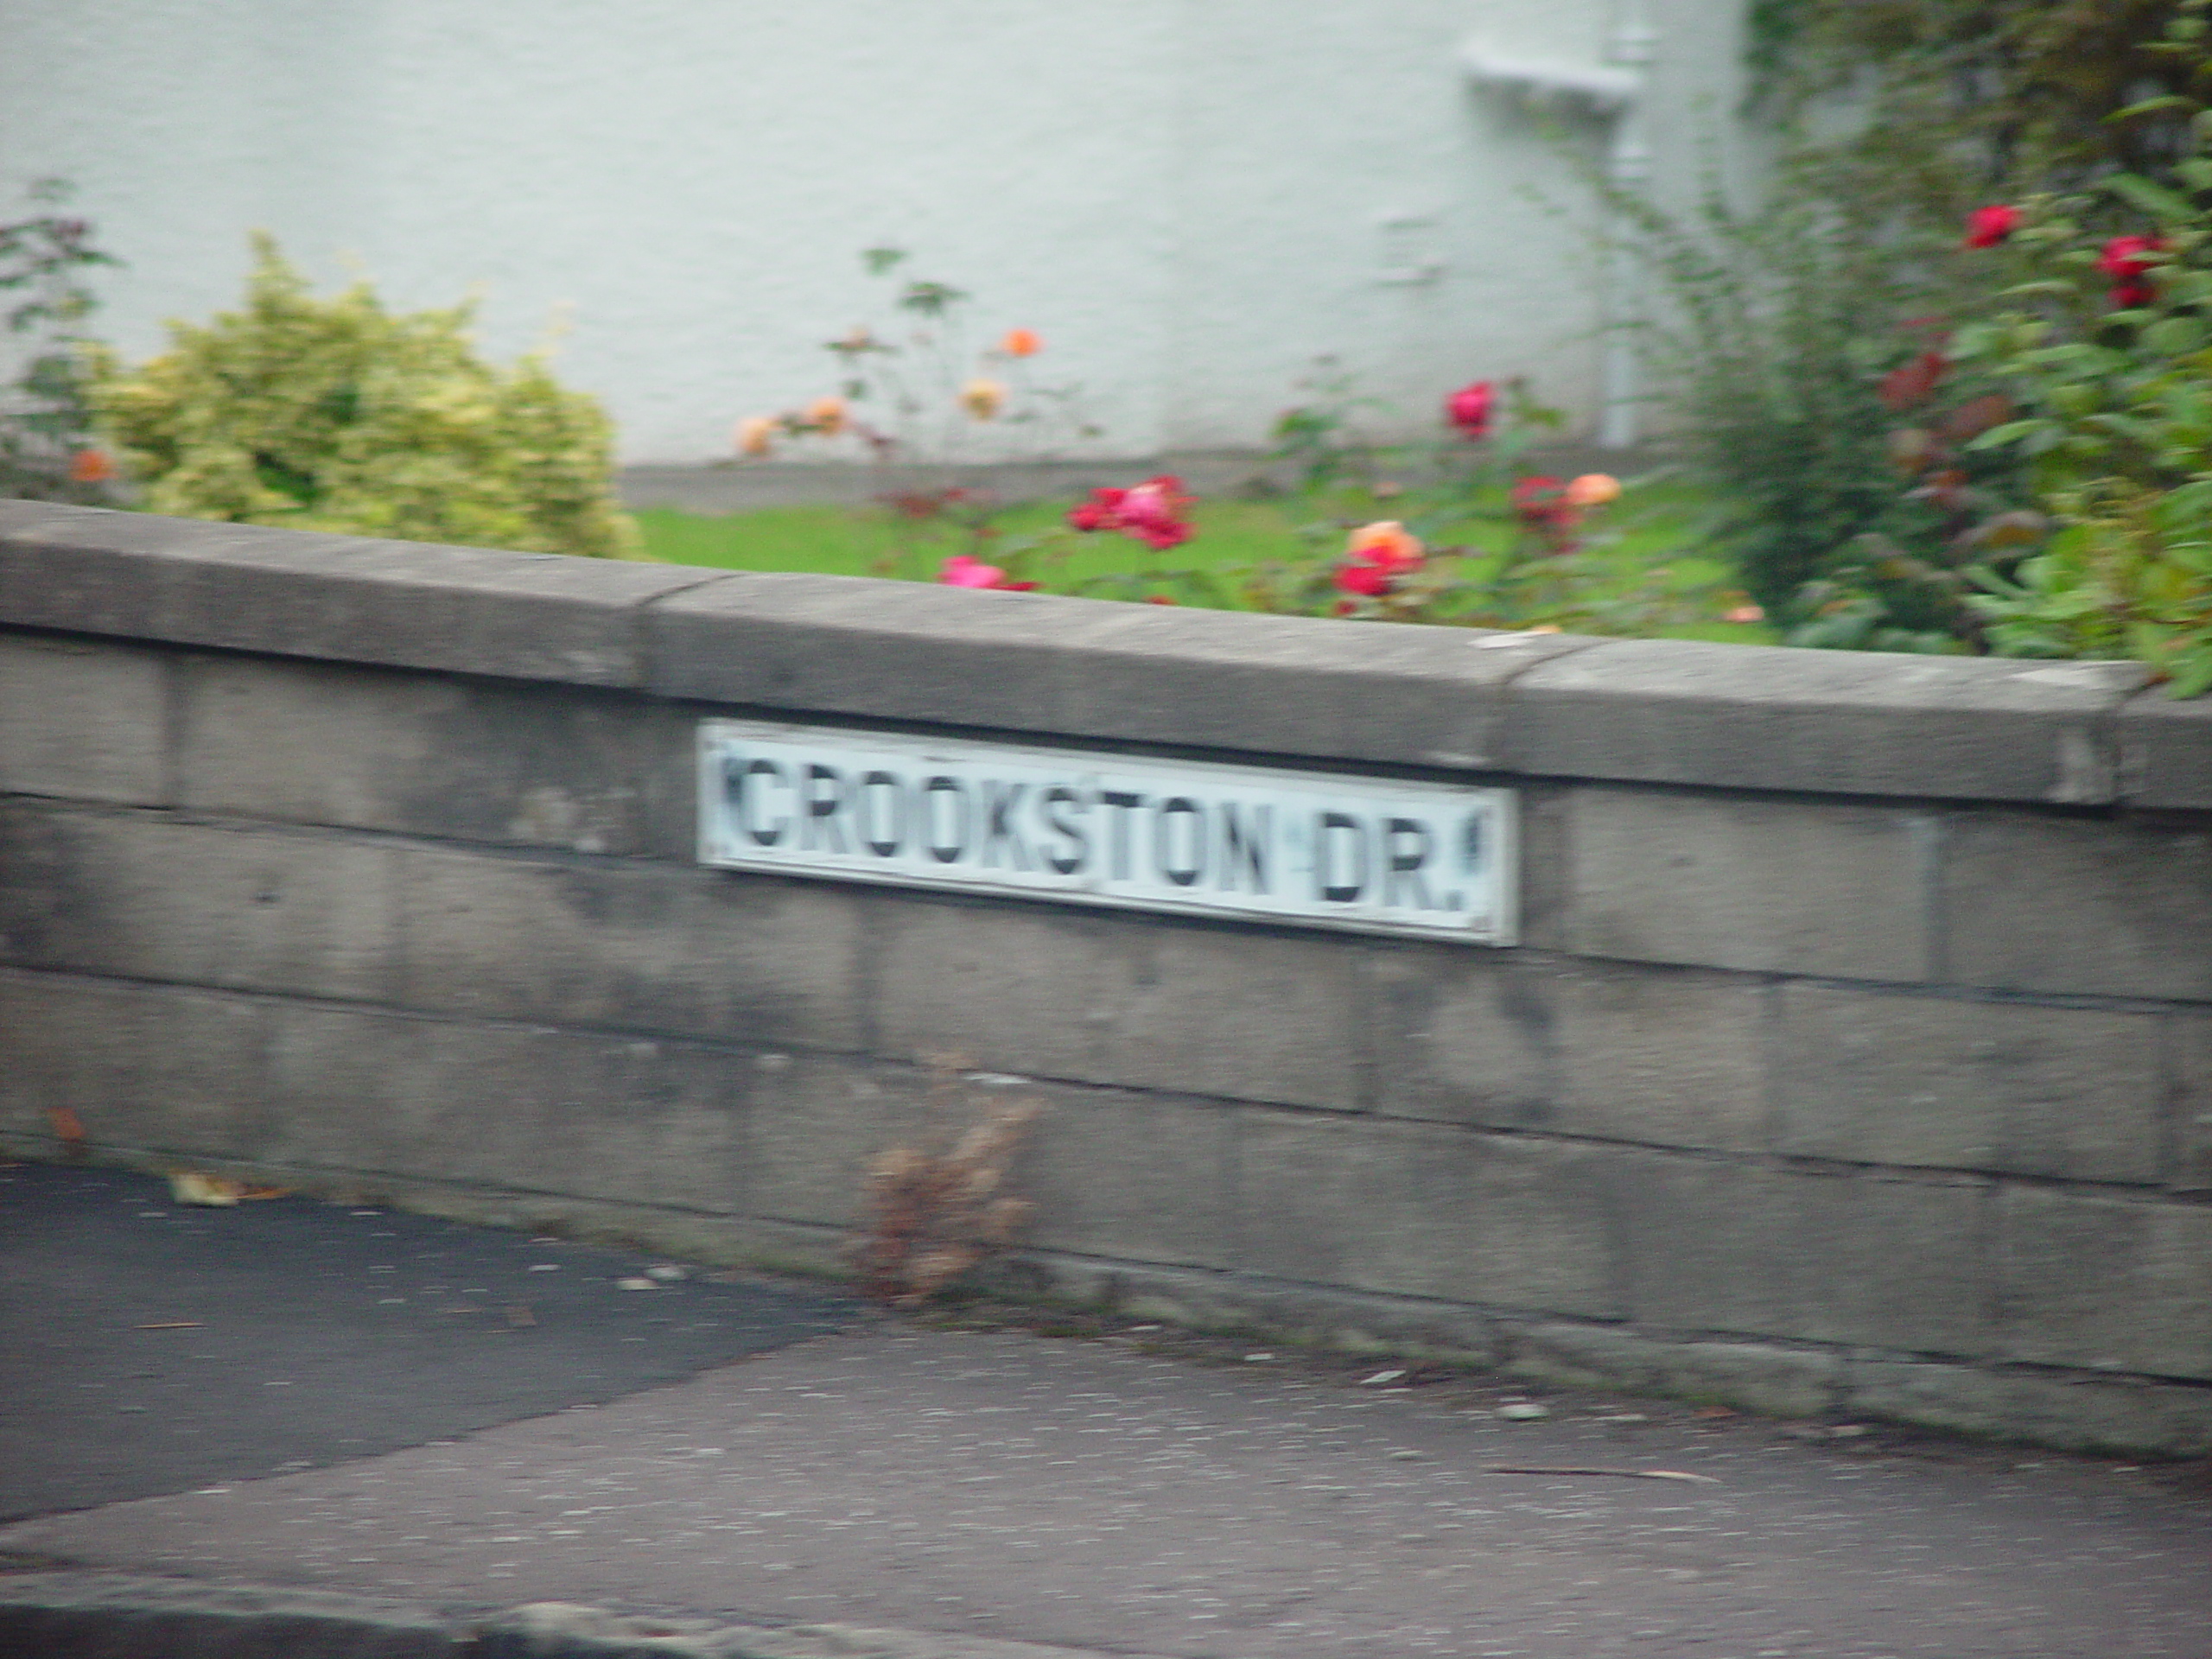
1857 1055
1184 196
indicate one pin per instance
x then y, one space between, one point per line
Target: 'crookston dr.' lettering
1159 834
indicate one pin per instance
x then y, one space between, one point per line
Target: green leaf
2153 198
2011 432
2193 677
2173 336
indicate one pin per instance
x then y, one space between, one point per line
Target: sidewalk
751 1455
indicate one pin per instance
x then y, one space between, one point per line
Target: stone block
82 720
2165 746
1417 1209
158 898
2091 906
1664 1057
2070 1411
1131 1177
422 754
1760 1376
557 1112
1133 1001
742 958
145 1068
289 593
1944 1082
1746 1250
1680 711
2107 1284
2189 1077
1086 668
818 1121
1768 886
1144 1178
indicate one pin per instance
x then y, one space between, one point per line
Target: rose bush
2106 351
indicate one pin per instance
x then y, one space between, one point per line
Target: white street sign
1311 848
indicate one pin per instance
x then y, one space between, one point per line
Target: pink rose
965 570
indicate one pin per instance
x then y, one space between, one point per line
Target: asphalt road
147 1347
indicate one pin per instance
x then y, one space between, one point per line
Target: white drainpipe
1613 91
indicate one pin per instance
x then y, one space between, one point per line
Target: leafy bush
1795 319
336 415
2108 349
47 450
1784 323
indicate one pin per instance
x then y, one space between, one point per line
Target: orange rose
90 466
1387 542
1378 555
754 435
1591 490
827 416
1021 342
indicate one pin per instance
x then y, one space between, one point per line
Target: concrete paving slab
1090 1495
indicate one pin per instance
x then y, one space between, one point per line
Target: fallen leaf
635 1283
71 1129
1379 1378
254 1194
1523 1412
666 1273
193 1186
1625 1474
172 1325
1713 1411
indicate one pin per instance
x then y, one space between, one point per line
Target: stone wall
1858 1055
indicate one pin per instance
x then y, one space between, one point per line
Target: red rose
1151 511
1543 500
1100 513
1987 226
1469 410
2129 260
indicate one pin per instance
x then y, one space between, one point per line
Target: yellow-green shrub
336 415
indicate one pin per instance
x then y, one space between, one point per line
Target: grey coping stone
1655 710
2165 746
1852 722
1091 668
298 594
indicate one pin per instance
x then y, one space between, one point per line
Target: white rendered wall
1186 197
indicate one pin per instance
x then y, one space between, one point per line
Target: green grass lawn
1650 530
